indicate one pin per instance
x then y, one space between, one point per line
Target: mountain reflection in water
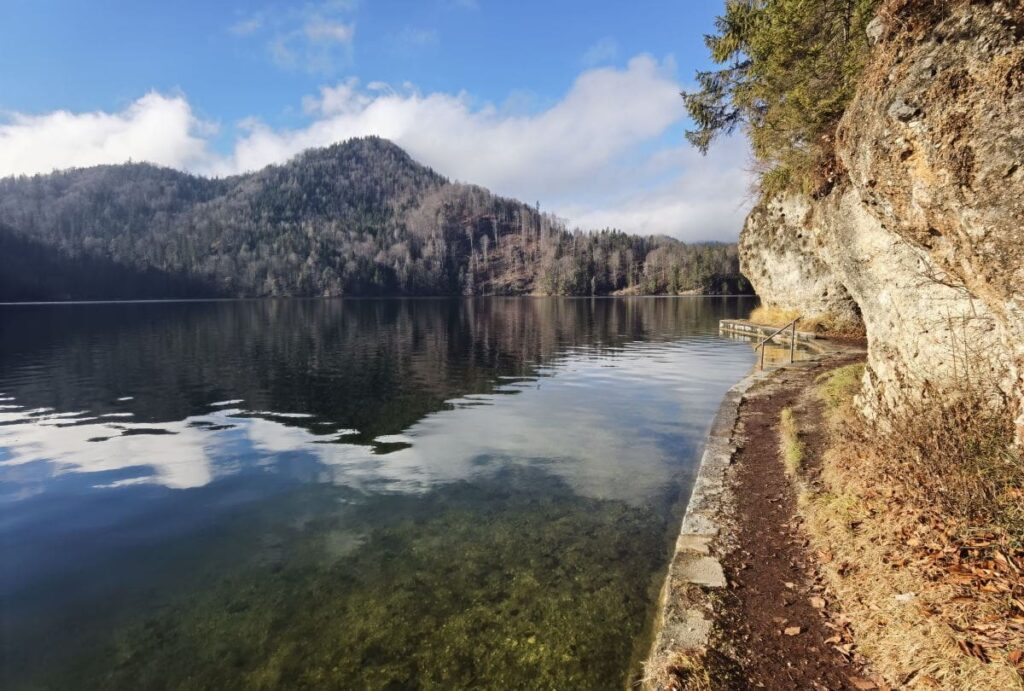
156 460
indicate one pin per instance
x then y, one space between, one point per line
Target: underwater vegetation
508 582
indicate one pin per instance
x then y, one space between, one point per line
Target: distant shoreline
40 303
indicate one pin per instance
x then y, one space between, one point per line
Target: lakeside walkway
742 605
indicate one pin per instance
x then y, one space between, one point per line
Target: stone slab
700 570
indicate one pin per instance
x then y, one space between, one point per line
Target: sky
570 104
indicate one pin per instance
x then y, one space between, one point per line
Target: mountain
357 218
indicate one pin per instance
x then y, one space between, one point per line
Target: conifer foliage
787 70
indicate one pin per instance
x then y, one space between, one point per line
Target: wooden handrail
792 341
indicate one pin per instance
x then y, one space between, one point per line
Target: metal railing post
792 343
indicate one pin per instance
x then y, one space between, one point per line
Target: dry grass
839 386
699 670
823 324
790 445
957 455
917 532
772 316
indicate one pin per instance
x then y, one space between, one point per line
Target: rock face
926 332
779 257
934 143
926 229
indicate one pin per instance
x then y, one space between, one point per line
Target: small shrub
776 180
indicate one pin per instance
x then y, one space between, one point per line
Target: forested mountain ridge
357 218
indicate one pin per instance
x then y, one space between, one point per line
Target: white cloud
155 128
245 27
315 37
703 198
556 151
604 50
344 97
596 157
319 29
317 47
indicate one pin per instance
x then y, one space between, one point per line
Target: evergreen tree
788 69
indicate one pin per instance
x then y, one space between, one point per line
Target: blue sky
569 103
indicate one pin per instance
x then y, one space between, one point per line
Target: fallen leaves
792 630
985 609
973 649
916 570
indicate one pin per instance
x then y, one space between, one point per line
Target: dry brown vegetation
821 324
698 670
919 531
791 447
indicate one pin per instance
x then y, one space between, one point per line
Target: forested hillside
359 218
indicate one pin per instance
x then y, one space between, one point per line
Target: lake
378 494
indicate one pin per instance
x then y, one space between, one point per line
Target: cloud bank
596 157
155 128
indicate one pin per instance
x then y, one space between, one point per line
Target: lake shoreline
694 605
685 606
317 298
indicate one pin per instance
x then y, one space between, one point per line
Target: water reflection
134 437
574 416
777 352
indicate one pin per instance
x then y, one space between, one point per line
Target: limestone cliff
781 259
923 227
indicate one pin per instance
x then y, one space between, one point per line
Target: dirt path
771 615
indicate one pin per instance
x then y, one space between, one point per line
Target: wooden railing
792 341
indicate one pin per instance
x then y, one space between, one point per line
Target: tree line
360 218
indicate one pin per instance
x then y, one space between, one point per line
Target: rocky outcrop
934 144
925 228
780 258
926 332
